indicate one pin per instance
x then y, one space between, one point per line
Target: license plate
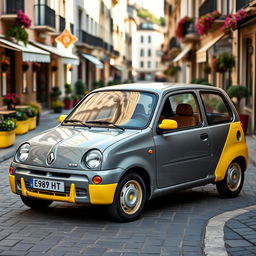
47 185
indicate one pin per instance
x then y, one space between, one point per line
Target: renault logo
50 158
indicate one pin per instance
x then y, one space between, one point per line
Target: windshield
127 109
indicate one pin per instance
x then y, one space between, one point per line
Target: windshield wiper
105 122
76 121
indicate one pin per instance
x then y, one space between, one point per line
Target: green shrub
68 89
21 115
79 87
8 124
31 111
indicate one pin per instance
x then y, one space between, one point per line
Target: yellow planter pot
32 123
22 127
7 139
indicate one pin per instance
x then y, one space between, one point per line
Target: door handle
204 136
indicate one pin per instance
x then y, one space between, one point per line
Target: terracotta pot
68 104
244 121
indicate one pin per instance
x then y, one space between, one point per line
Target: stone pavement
48 120
170 225
240 234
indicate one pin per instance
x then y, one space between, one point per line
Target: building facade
200 50
147 52
32 70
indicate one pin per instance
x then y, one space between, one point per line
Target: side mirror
62 118
168 124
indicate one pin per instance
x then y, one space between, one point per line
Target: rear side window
216 108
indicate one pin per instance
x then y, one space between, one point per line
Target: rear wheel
233 181
129 198
35 203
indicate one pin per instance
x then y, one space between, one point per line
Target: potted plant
22 122
18 30
31 113
76 99
172 70
80 88
68 101
57 106
7 132
55 93
239 92
11 99
38 108
224 62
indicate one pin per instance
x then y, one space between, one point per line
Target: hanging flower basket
54 68
25 67
224 62
5 65
231 20
182 25
205 22
18 30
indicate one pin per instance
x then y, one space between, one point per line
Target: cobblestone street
171 225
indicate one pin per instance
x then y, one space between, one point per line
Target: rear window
216 108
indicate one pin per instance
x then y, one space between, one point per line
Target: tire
35 203
233 181
129 199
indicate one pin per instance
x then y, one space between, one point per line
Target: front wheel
129 198
233 181
35 203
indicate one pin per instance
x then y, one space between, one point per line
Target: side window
217 110
183 108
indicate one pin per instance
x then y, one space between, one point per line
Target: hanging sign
66 38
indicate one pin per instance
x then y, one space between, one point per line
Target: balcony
11 7
44 18
90 40
190 33
207 7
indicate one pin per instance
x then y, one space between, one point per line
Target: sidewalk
48 119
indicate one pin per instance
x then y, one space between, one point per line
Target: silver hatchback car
123 145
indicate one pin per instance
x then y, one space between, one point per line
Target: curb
214 243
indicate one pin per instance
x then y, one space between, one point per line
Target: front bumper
79 187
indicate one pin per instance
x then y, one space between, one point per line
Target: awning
201 54
119 68
30 53
183 53
93 60
66 58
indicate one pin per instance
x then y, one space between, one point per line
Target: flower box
32 123
7 138
22 127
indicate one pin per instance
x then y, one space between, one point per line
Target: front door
183 154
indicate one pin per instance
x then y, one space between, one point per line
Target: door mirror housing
168 124
62 118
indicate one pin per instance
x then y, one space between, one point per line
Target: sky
154 6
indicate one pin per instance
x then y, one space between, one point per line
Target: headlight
93 159
22 153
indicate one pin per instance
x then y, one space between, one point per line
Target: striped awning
29 52
66 57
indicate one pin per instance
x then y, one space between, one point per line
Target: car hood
69 144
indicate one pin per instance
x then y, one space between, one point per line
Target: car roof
157 87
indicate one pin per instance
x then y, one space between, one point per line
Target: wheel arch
144 175
242 162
